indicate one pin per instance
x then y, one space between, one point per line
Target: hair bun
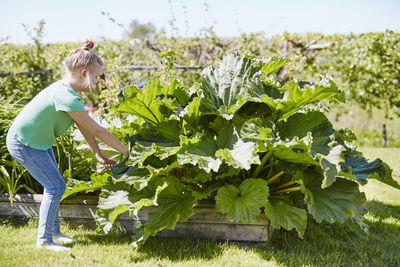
87 44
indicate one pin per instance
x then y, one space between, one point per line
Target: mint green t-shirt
44 117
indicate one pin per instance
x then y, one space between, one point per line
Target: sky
75 20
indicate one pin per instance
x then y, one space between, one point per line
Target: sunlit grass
367 126
388 155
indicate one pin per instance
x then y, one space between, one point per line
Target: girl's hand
108 163
126 152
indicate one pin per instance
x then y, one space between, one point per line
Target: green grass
366 125
323 244
389 155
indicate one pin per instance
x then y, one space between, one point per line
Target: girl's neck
73 82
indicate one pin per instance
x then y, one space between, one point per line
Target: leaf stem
270 164
270 171
275 177
287 190
285 185
263 161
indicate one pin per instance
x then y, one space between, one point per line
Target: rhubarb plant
244 140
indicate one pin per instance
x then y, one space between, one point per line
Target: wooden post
384 139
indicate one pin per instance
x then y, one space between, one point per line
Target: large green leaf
131 175
175 204
297 95
195 175
204 190
295 151
226 171
176 90
120 197
322 146
242 204
238 77
337 203
144 104
237 80
200 152
358 168
144 149
234 150
223 84
273 64
192 115
159 168
300 124
168 130
97 181
112 202
257 129
282 213
161 141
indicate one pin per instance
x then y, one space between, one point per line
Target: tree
141 31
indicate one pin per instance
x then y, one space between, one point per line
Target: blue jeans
42 165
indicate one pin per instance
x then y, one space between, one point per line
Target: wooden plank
37 198
221 231
205 222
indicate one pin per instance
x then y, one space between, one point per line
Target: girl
48 115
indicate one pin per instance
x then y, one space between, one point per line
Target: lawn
323 244
367 126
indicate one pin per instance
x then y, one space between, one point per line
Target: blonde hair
82 58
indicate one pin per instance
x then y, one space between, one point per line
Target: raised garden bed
206 222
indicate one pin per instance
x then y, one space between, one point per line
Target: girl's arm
91 141
91 129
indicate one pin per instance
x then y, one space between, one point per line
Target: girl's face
90 77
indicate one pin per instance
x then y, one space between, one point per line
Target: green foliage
97 181
26 58
13 177
366 65
143 105
244 138
174 204
71 162
363 65
243 204
141 31
292 218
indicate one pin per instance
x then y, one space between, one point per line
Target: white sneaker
53 247
62 239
